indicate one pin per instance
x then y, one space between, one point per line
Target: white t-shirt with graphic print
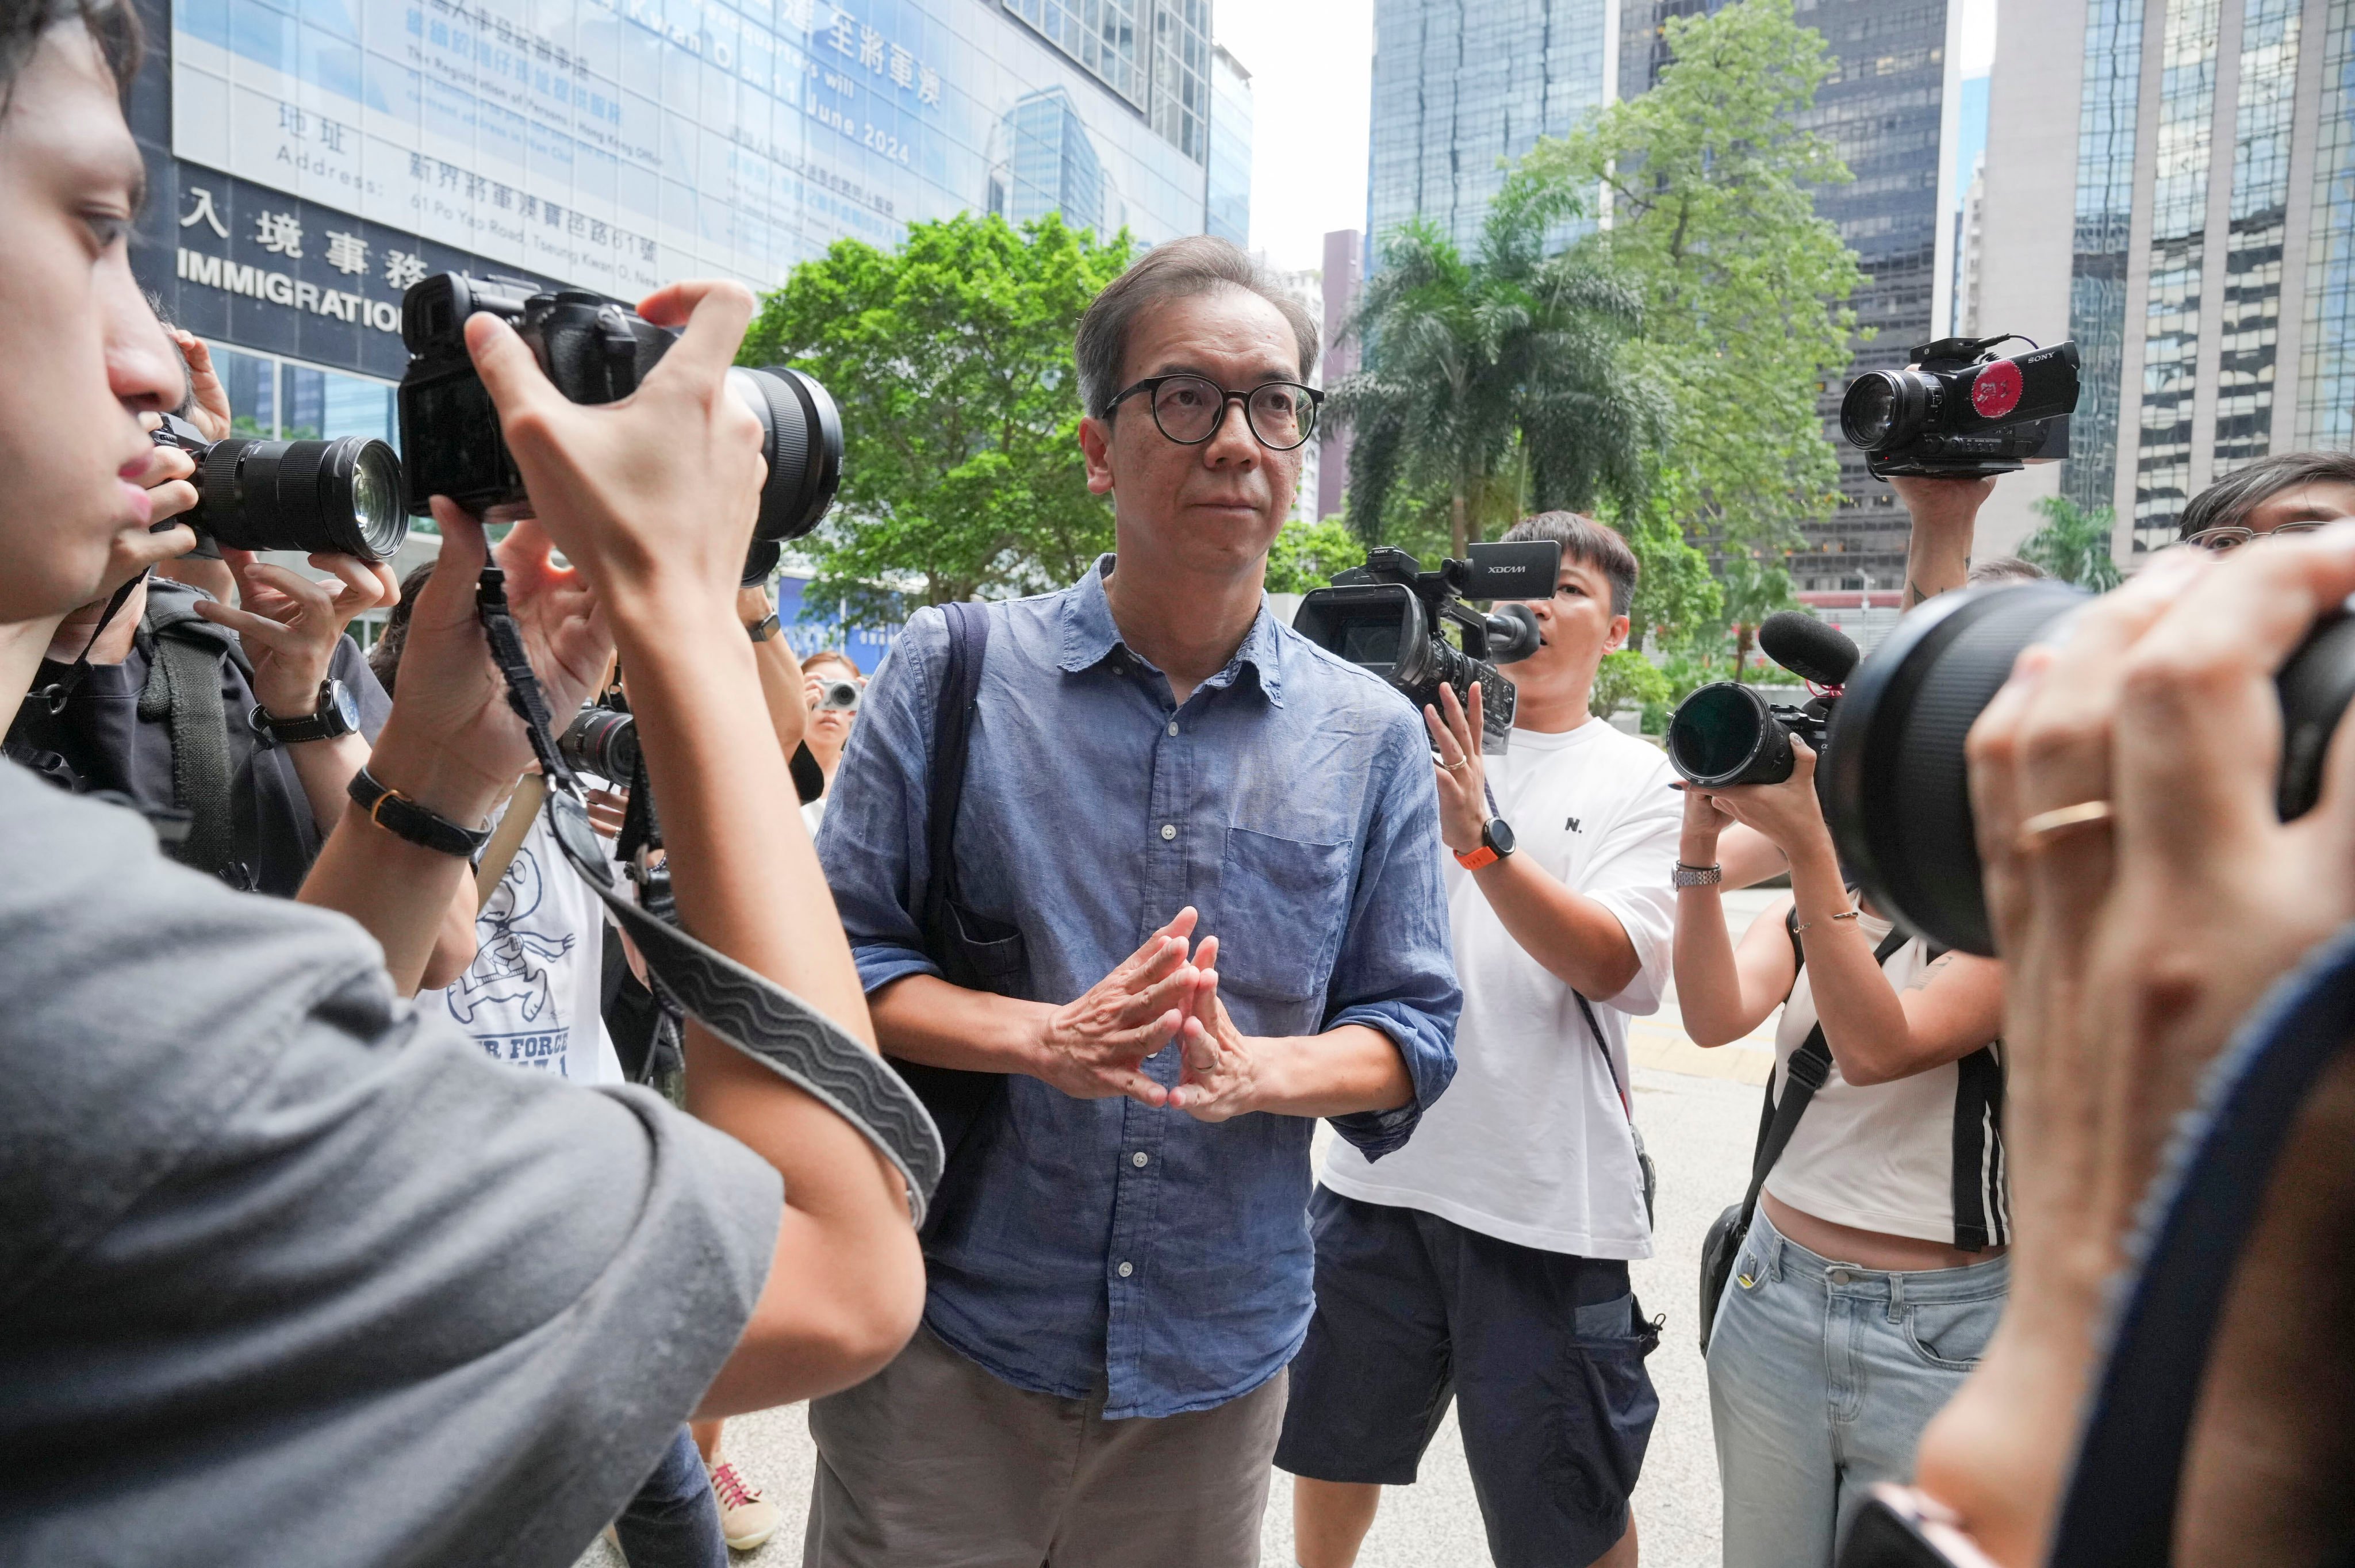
530 997
1530 1143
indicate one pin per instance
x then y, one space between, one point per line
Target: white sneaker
746 1517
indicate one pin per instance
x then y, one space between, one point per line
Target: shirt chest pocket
1282 901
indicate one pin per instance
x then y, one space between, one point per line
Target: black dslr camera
1386 616
340 496
596 352
1960 412
1725 734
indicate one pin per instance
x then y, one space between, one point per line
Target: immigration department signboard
621 143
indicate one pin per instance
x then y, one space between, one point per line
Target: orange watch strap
1484 856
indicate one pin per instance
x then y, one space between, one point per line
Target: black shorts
1544 1350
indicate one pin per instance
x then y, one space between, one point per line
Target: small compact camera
1958 411
594 351
837 695
339 497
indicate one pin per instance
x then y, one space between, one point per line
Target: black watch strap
762 630
326 722
404 818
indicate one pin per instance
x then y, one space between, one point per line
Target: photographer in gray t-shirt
267 1235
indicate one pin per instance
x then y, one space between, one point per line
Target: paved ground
1699 1112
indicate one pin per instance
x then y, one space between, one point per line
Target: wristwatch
338 714
1496 843
1698 876
762 630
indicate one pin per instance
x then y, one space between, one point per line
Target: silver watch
1698 876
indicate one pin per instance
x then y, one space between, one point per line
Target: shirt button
1169 831
1137 1159
1127 1269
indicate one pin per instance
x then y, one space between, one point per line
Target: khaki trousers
933 1463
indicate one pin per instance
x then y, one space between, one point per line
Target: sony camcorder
1387 615
594 351
1958 411
1726 734
339 497
1897 782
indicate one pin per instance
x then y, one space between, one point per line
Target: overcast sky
1312 70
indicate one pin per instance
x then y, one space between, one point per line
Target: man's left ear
1617 639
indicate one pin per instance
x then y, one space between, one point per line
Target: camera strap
746 1010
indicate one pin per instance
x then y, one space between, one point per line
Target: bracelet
404 818
1698 876
1844 914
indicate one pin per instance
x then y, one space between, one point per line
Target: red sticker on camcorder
1997 392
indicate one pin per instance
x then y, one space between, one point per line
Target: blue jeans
674 1522
1821 1377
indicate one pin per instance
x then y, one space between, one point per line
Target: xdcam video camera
1726 735
1387 617
1898 796
1958 411
340 497
596 352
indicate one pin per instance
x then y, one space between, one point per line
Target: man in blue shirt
1212 836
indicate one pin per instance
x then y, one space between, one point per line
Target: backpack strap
184 693
1808 1070
952 738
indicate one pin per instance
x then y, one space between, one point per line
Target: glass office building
1461 91
1886 110
310 159
2212 269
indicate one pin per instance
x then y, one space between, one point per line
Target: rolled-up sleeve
872 844
1396 969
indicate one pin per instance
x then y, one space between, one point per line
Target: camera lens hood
342 497
1896 782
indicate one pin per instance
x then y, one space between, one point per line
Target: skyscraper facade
2200 248
308 162
1890 109
1228 211
1461 90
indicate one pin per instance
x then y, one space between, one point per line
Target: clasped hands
1095 1047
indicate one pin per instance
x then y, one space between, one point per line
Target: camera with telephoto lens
338 497
602 741
1725 734
1387 616
1898 792
594 351
1958 411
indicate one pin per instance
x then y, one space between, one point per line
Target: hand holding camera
291 624
2144 889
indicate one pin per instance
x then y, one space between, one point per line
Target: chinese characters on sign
857 40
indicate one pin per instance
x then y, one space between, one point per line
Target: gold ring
1458 765
2084 814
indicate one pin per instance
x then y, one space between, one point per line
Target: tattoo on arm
1915 593
1929 972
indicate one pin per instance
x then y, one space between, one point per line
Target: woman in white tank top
1873 1272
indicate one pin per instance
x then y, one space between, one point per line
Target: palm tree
1753 591
2074 545
1503 372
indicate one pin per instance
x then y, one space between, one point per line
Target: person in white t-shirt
823 673
1487 1260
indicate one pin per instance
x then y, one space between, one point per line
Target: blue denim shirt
1086 1244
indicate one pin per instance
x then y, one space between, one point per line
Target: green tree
950 358
1707 179
1500 381
1754 589
2074 544
1625 679
1307 555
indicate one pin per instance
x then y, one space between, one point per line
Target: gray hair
1194 265
1585 540
2004 568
